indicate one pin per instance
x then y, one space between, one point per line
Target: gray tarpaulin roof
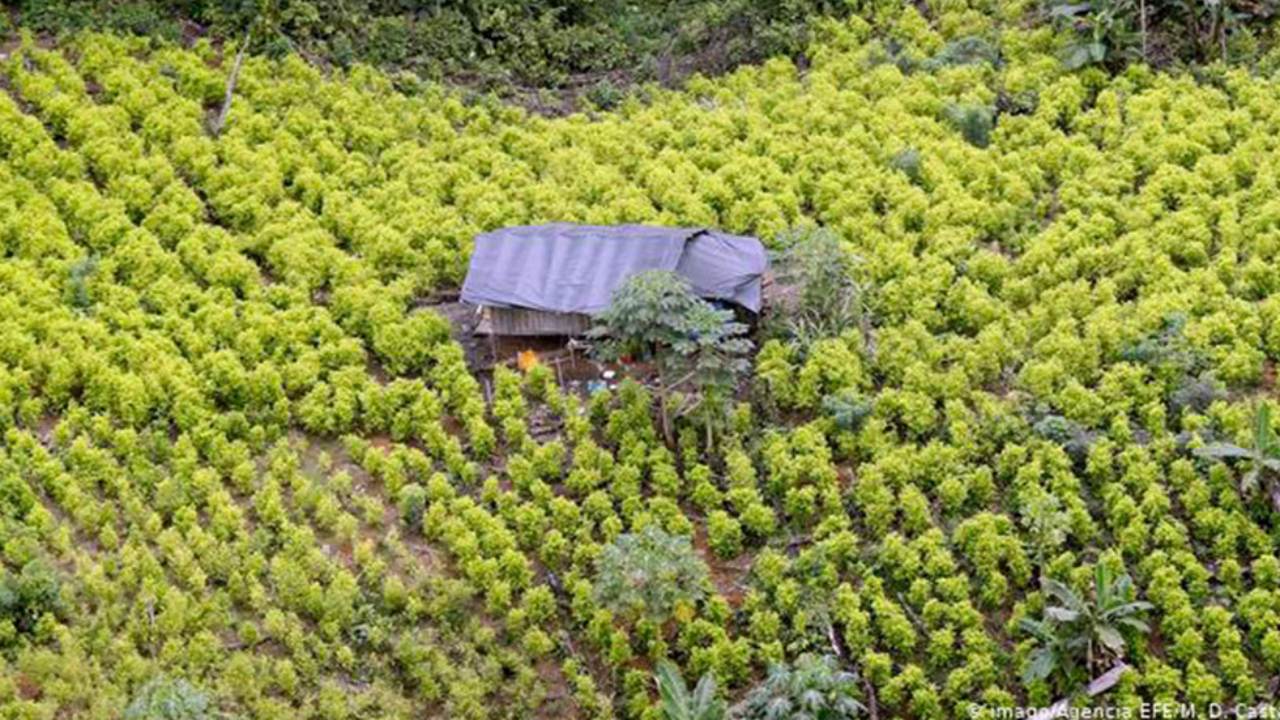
575 268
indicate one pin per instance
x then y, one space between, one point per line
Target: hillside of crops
246 470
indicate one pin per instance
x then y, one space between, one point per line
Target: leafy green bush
975 122
165 698
1106 31
25 597
1114 32
848 409
818 295
968 50
648 574
78 282
724 534
605 95
909 162
412 501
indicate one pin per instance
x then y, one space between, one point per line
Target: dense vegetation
603 44
597 50
245 471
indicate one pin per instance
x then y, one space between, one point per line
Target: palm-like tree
680 704
1263 456
815 688
1073 626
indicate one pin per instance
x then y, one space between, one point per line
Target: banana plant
1053 654
1076 628
678 703
1263 456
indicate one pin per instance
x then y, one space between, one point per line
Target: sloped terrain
238 450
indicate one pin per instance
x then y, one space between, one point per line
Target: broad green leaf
1111 638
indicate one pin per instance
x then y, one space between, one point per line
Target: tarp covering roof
570 268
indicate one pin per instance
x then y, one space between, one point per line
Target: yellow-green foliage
253 461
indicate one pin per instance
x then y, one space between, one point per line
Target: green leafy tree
679 703
1077 629
699 351
815 688
1263 456
647 574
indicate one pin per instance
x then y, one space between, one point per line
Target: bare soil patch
728 576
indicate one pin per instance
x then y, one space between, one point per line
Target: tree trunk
664 417
1142 21
1222 30
219 122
